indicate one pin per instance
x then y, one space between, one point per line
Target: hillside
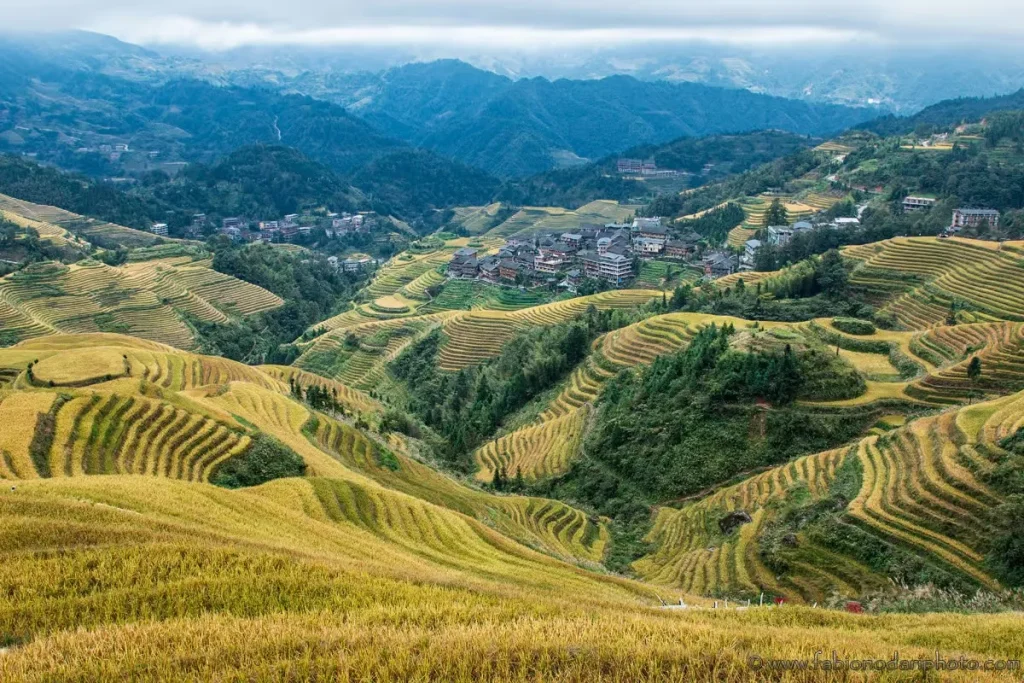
162 558
514 128
947 113
150 299
915 504
104 126
160 291
701 160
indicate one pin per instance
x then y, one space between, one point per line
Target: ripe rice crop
917 279
478 335
143 299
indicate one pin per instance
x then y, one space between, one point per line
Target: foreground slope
110 578
115 405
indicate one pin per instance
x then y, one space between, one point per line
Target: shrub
264 460
1006 556
853 326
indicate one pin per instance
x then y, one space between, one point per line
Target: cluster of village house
286 229
602 252
781 235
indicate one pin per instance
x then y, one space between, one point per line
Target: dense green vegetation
34 182
312 289
853 326
768 176
465 408
1006 556
698 418
262 182
410 182
715 225
946 113
265 459
708 158
814 288
20 246
695 420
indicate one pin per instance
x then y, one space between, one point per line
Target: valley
347 407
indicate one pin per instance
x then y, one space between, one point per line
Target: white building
648 246
159 229
641 222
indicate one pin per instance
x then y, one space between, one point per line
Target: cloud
535 24
228 35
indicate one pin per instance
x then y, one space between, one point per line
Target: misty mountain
515 128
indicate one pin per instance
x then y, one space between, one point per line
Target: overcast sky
524 23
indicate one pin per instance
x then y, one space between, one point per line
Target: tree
776 214
951 315
830 274
974 374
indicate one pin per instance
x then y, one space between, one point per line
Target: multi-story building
719 264
159 229
616 269
913 203
648 246
464 263
972 218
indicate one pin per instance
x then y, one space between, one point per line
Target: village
613 254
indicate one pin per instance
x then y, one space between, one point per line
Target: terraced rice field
354 400
920 490
691 550
739 235
546 524
400 272
756 207
476 219
164 570
916 279
46 231
533 219
188 420
357 354
144 299
833 146
537 451
99 232
749 278
546 447
478 335
417 289
652 275
819 201
999 346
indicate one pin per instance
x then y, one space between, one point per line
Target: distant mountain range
515 128
63 101
898 78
